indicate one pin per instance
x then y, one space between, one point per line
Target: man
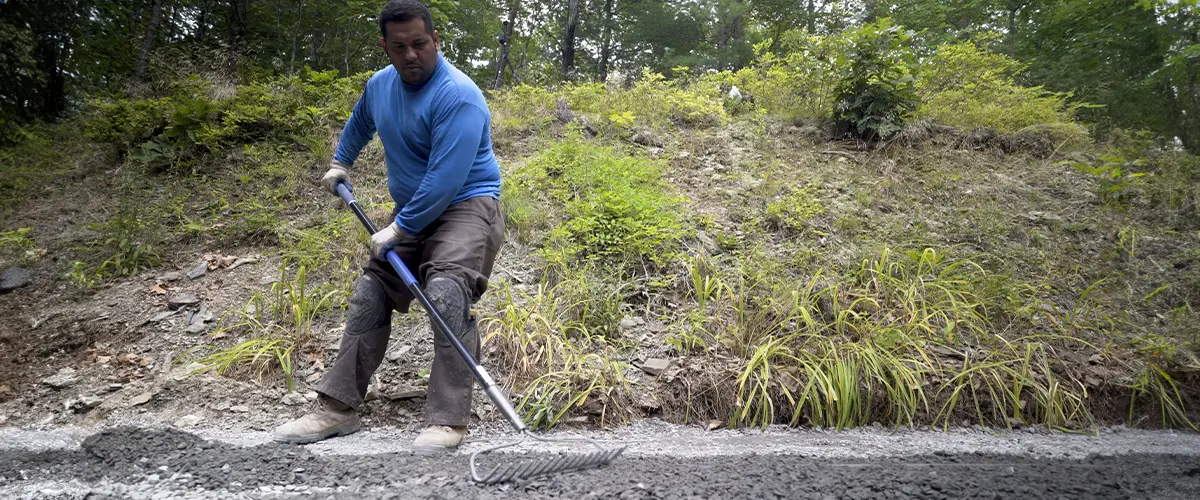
436 132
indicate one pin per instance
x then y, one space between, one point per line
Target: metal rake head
533 468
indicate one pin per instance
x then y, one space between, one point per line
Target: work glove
384 239
337 173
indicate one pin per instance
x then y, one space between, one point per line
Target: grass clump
277 327
559 349
794 209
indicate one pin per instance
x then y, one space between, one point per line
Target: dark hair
403 11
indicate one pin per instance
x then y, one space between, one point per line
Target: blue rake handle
489 386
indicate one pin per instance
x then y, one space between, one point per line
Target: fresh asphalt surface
663 461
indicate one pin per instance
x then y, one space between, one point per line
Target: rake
504 472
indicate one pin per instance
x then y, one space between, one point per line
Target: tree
568 44
139 71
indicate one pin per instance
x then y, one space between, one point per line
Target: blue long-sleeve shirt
436 136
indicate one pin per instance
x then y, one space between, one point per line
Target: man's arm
457 133
359 130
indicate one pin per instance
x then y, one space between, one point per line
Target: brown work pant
461 244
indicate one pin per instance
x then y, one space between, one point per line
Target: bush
797 85
965 86
876 91
618 209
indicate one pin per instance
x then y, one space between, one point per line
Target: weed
16 247
795 209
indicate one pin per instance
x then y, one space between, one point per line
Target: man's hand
386 238
337 173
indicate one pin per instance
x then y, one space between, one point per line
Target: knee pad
369 308
450 299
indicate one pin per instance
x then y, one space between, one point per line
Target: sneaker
439 438
330 419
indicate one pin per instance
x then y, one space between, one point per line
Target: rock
172 276
628 323
403 393
313 377
182 300
398 352
186 371
655 366
197 327
84 404
239 409
14 278
64 378
161 316
293 399
199 270
141 399
241 261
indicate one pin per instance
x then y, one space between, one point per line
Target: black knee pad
450 299
369 308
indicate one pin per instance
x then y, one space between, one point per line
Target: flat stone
185 372
197 327
628 323
161 316
64 378
84 404
655 366
239 409
141 399
406 393
313 377
293 399
14 278
181 300
199 270
172 276
398 352
310 395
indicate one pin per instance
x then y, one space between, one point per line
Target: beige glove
386 238
337 173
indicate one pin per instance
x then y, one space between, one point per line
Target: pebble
188 420
239 409
655 366
172 276
398 352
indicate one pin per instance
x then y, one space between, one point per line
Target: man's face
412 50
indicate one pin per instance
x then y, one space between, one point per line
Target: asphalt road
130 462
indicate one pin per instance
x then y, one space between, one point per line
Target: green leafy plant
794 209
876 91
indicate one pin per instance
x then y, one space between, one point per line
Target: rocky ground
661 461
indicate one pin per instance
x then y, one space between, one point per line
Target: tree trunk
568 48
296 34
812 17
505 42
53 95
606 40
139 69
237 31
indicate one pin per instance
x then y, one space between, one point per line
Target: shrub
965 86
618 209
876 91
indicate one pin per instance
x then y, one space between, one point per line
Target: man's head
409 39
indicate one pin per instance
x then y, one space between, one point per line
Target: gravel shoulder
661 461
